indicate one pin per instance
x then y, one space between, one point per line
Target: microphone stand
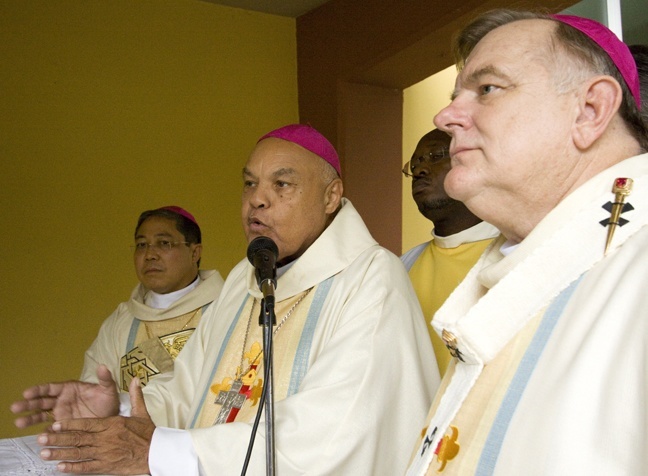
268 319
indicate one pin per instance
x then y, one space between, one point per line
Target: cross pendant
232 401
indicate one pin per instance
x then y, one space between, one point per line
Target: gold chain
150 335
274 333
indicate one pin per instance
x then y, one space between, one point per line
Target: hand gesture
71 399
114 445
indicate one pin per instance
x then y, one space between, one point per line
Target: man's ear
334 192
600 102
197 253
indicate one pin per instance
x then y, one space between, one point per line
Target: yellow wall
421 102
108 108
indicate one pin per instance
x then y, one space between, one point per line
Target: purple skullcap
616 49
310 139
180 211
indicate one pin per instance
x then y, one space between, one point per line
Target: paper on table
19 456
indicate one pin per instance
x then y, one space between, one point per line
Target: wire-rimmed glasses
429 158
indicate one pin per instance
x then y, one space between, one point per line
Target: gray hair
586 57
640 55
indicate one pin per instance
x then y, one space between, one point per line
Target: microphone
262 252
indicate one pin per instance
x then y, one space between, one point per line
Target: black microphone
262 253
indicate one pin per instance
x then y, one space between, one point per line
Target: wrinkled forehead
272 154
518 43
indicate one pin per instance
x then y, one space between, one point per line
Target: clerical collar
163 301
282 269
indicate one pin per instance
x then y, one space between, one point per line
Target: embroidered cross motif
428 441
448 448
136 364
450 341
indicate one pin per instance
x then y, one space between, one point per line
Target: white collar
163 301
479 232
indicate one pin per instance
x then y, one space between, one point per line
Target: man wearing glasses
353 371
144 335
436 267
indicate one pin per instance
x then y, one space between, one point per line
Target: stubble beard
435 204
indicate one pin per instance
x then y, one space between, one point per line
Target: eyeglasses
433 157
159 246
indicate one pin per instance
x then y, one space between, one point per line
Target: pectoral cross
232 401
621 189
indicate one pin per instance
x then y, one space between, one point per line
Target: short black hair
189 229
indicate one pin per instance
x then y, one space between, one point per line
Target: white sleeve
172 453
108 347
370 380
124 404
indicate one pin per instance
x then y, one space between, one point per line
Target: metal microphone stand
268 319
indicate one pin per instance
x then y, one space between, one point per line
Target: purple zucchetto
180 211
310 139
616 49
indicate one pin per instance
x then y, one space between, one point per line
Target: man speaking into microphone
353 367
262 253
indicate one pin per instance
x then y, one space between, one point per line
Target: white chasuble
549 343
153 346
237 382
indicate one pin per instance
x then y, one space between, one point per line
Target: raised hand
65 400
114 445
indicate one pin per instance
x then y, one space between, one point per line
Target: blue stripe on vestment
218 359
493 446
132 334
130 342
300 364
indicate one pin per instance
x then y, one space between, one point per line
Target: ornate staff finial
621 189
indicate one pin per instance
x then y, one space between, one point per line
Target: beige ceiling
286 8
